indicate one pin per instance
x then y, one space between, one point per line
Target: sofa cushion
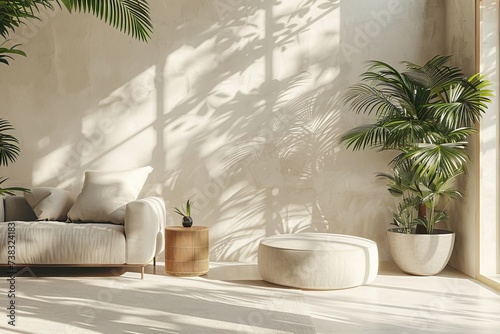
17 208
50 203
42 242
105 194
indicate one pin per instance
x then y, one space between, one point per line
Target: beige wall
234 103
490 147
460 40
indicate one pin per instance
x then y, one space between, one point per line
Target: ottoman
317 261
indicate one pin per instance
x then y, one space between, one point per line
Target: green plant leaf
129 16
10 191
188 208
440 159
184 211
5 53
13 13
9 149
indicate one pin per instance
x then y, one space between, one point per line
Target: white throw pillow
50 203
105 194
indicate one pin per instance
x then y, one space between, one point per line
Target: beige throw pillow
105 194
50 203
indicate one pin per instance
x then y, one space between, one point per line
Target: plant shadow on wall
426 115
232 108
251 146
280 171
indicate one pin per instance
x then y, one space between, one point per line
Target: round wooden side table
186 250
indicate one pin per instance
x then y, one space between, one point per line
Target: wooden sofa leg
154 261
142 271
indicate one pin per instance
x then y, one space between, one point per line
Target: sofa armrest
145 221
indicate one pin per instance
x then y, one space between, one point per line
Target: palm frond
10 191
5 53
382 90
458 135
403 132
367 99
364 136
14 12
383 72
129 16
434 75
465 102
9 149
440 159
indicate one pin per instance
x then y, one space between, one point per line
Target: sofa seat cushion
39 242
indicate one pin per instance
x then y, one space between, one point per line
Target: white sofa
32 242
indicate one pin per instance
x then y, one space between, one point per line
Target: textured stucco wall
234 103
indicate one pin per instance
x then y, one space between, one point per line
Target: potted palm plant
424 114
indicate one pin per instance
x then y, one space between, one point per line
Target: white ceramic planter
421 254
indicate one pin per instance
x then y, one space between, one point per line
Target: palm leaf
403 131
383 90
5 53
458 135
129 16
365 136
367 99
11 190
13 13
9 149
383 72
464 106
434 75
439 159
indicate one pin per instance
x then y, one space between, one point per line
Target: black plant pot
187 221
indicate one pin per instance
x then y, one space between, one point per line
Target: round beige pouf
317 261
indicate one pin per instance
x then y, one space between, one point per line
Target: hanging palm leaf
5 53
10 191
14 12
9 149
129 16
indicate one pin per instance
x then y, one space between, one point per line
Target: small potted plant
185 212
